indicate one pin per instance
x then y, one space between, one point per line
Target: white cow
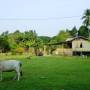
11 65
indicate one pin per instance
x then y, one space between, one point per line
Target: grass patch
50 73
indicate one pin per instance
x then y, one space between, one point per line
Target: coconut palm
86 19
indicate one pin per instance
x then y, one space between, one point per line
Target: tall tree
73 32
15 39
86 20
62 36
30 37
45 39
4 45
83 31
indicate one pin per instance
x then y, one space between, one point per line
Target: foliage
18 50
83 31
45 39
86 20
53 40
4 45
38 44
30 37
15 39
19 37
62 36
73 32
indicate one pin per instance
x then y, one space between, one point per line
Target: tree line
22 41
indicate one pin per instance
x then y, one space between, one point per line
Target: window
81 45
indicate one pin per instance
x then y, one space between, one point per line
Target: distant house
74 46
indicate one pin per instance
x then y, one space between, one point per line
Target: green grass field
49 73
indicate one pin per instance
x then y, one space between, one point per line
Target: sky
46 17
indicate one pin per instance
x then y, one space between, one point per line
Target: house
74 46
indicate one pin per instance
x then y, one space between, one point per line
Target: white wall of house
77 42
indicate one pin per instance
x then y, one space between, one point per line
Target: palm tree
86 20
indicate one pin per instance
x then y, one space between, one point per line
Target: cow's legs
18 76
15 77
18 73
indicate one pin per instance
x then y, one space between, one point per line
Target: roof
79 37
68 40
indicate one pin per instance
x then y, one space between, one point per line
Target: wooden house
74 46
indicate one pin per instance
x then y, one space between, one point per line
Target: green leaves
86 20
83 31
4 45
86 17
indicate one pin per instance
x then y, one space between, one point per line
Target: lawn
49 73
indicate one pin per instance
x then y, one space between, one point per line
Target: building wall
76 45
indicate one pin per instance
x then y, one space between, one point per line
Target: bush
13 52
19 50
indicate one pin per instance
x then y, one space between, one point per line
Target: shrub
19 50
13 52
